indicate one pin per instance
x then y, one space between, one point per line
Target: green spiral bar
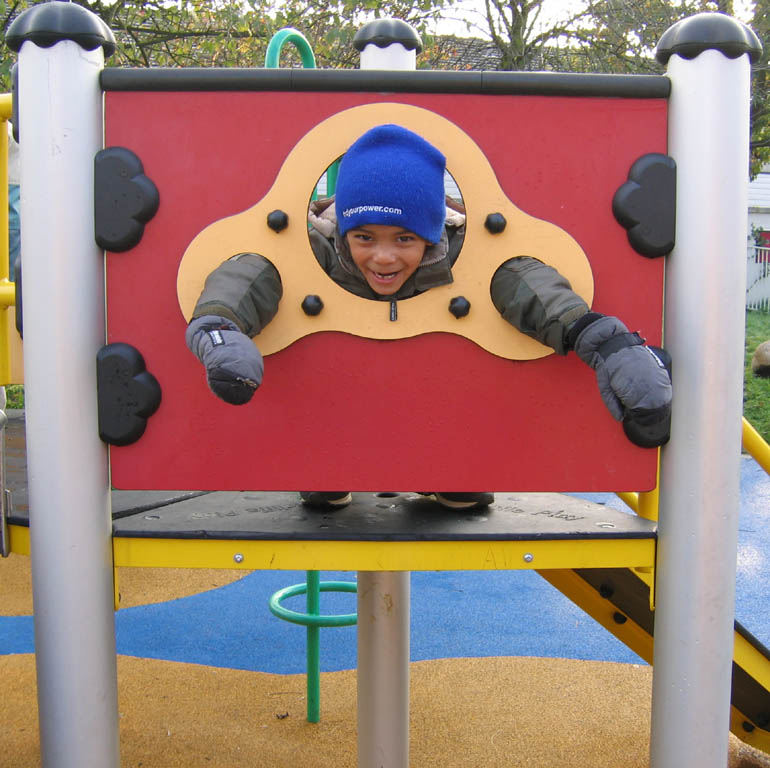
342 620
313 670
313 621
289 35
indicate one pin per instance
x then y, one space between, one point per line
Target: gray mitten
233 363
634 379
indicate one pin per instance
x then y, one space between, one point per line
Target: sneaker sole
461 504
341 502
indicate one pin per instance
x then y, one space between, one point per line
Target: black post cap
705 32
384 32
48 23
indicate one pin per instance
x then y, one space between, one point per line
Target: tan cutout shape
302 275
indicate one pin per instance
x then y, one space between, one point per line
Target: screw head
312 305
495 223
529 557
238 557
606 591
459 306
277 220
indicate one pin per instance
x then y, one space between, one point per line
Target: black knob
312 305
277 220
459 306
495 223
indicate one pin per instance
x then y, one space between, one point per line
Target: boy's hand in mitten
233 363
634 379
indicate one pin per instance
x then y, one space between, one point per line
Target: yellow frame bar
754 444
383 556
19 539
588 599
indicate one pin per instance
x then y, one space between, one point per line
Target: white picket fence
758 278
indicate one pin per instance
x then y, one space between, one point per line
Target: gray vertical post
70 530
383 596
704 328
383 669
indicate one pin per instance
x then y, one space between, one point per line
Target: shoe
335 499
465 500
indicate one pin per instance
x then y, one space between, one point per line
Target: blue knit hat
392 176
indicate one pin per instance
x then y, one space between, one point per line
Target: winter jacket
529 294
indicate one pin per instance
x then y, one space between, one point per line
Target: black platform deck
255 515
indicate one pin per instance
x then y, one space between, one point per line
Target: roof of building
452 52
759 190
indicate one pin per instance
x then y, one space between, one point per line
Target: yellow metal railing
7 288
10 343
755 446
646 504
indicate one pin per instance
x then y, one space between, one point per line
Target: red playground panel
337 411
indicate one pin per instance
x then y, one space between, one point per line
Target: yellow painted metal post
754 444
4 284
7 288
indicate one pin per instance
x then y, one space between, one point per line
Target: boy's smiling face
386 255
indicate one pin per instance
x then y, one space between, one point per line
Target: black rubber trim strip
419 81
337 535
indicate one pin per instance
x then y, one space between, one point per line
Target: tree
617 36
621 35
231 32
760 91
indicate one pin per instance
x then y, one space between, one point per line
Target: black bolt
312 305
495 223
619 618
459 306
606 591
747 726
277 220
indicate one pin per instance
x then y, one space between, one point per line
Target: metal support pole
700 468
383 597
313 671
70 527
383 669
5 495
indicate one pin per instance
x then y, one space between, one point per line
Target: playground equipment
11 364
472 397
312 619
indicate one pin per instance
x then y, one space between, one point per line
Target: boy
388 235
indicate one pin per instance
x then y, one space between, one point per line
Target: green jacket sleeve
245 289
537 300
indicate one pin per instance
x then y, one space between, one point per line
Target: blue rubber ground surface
454 614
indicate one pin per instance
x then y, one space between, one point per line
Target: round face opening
377 258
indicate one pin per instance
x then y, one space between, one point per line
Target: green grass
15 396
756 391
